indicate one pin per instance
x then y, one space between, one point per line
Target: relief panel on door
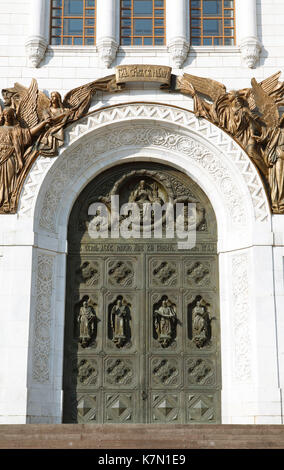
142 329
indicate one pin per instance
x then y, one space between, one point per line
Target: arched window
142 22
212 22
73 22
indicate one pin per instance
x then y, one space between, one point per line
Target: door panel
142 316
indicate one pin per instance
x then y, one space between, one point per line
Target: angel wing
74 98
205 86
266 104
27 110
271 86
42 101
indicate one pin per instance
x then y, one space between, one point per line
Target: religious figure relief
201 332
120 322
32 125
14 144
165 322
87 320
251 116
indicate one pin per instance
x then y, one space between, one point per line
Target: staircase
137 436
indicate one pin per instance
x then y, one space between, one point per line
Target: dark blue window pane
195 13
89 31
126 22
228 4
56 22
159 13
195 23
212 8
143 7
126 3
89 22
218 42
73 7
196 32
159 3
73 26
148 41
89 41
212 27
229 41
229 13
207 41
137 41
67 41
56 12
126 41
56 41
126 13
159 41
159 32
196 41
90 3
195 3
57 3
126 32
143 27
89 12
78 41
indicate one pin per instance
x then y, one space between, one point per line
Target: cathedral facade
155 103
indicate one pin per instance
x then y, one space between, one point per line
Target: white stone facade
33 242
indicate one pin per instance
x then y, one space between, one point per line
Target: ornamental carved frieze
33 124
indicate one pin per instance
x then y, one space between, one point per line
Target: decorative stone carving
178 49
81 157
42 320
250 51
241 314
251 116
27 114
35 50
107 49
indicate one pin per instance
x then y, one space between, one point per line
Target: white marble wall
32 258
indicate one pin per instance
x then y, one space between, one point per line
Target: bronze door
142 322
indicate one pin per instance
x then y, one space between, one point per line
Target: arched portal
142 325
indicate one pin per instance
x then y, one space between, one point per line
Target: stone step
137 436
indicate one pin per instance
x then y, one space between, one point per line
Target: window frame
83 17
133 18
223 18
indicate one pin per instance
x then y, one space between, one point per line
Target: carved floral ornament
33 124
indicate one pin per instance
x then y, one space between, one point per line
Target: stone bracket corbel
178 49
250 51
35 50
107 49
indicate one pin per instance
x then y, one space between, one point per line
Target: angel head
9 117
56 100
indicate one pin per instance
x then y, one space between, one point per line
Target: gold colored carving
31 124
251 116
144 73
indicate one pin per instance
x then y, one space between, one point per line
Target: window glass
73 22
142 22
212 22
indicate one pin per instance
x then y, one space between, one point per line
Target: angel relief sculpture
251 116
32 124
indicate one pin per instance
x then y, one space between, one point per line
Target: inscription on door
142 316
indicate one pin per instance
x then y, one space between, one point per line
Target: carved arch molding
157 127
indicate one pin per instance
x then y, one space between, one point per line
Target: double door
142 335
